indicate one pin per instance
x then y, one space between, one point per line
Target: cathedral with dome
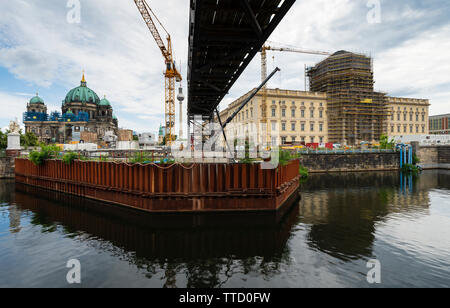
84 117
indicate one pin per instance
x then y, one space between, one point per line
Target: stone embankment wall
358 162
6 168
434 157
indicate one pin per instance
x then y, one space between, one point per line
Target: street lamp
180 98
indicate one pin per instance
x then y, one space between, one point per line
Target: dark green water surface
325 240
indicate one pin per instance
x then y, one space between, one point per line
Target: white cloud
112 43
418 67
12 107
121 59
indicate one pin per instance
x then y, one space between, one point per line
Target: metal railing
343 151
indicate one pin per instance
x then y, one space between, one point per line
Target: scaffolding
356 113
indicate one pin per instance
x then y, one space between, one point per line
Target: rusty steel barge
169 188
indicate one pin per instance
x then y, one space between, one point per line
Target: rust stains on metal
171 188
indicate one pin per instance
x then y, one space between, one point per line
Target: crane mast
264 76
171 73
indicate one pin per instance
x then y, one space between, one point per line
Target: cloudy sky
42 50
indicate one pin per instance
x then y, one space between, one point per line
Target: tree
29 139
3 140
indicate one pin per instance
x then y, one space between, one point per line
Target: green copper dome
82 94
36 100
104 102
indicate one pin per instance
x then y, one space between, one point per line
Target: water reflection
343 210
325 239
201 241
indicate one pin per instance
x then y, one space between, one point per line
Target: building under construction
355 111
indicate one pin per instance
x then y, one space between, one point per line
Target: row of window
311 139
249 114
294 127
294 113
406 109
38 131
405 128
92 114
442 123
293 103
405 117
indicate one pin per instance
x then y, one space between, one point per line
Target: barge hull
173 189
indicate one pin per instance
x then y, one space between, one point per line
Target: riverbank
350 162
434 156
6 168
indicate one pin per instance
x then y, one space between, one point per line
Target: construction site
224 37
356 112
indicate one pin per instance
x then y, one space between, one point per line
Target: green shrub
103 159
408 168
141 158
304 172
83 158
247 161
416 159
69 157
47 152
386 144
285 157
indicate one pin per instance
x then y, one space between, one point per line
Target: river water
325 240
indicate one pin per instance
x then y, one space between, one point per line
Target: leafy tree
3 140
29 139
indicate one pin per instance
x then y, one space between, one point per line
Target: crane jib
171 75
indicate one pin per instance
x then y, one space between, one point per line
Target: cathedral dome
36 100
82 94
104 102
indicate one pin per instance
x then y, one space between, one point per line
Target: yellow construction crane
171 74
264 50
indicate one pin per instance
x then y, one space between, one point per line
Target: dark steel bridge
225 35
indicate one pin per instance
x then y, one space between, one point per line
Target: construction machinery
264 50
171 73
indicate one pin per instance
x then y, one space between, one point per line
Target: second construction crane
264 50
171 73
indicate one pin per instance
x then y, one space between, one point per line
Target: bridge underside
225 35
